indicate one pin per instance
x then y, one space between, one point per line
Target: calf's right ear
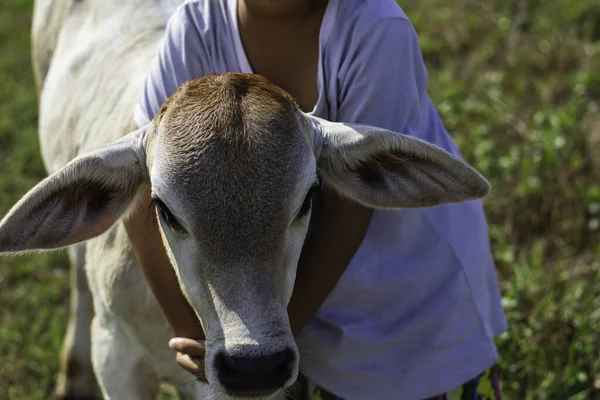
79 202
384 169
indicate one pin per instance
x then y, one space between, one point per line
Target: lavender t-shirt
417 309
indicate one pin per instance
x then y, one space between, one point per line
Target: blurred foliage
517 84
33 289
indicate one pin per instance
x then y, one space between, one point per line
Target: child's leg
486 386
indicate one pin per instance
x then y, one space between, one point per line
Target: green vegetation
33 290
517 83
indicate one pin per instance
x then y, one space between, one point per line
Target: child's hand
190 355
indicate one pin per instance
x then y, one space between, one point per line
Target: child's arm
338 232
142 229
384 86
342 224
177 61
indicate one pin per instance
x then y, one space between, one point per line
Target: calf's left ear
383 169
80 201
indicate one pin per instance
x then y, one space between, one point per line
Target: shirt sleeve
385 83
178 61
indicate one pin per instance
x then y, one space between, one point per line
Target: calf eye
165 214
306 205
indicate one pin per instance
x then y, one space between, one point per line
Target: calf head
233 165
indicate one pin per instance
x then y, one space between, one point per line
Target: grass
517 84
33 289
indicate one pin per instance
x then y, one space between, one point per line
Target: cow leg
76 379
122 367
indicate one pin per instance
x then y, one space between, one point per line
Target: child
401 304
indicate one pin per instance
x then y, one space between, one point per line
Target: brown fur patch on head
235 147
241 109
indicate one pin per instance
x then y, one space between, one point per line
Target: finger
194 366
188 346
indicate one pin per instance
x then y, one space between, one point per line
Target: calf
233 165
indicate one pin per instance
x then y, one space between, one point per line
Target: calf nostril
225 365
275 361
243 374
